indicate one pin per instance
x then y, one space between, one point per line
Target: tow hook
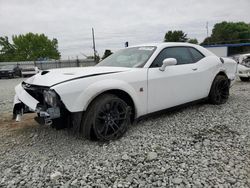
48 121
19 115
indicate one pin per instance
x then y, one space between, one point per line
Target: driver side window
181 54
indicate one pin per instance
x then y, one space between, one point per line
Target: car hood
53 77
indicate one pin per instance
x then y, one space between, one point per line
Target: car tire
243 79
107 118
219 91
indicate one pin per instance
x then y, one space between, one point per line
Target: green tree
28 47
193 41
229 32
107 53
175 36
7 51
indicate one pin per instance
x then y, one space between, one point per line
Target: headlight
10 71
50 98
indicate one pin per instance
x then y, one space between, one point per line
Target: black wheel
107 118
219 92
243 79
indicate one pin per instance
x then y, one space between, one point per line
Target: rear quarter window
197 56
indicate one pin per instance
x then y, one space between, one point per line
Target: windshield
129 57
8 67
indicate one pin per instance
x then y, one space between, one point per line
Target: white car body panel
150 89
181 83
243 71
230 68
22 95
55 76
136 78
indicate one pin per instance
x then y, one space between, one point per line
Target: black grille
35 91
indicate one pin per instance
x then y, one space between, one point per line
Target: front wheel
219 91
244 79
107 118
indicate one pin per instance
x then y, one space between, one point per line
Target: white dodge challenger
101 102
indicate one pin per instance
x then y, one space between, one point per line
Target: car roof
166 44
163 45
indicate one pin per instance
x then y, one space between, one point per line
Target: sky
115 21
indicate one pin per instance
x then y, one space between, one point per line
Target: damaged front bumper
24 102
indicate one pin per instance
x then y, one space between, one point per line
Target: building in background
225 50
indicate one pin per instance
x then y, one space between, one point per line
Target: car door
178 84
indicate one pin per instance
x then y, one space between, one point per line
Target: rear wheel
244 79
107 118
219 92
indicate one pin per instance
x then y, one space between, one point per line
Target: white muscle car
102 101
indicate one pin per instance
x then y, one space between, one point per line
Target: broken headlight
50 97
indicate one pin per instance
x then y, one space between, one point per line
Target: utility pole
93 37
77 61
207 32
207 28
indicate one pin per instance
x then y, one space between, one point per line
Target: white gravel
198 146
7 93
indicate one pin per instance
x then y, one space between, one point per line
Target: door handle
194 69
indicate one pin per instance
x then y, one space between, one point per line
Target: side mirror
168 62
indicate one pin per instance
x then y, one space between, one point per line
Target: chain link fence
44 65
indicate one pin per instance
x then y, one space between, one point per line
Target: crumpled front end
39 99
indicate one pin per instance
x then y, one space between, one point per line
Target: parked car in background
30 71
10 71
102 101
244 67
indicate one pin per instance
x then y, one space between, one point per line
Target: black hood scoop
44 72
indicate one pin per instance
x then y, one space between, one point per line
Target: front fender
92 91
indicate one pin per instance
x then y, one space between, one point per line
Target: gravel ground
198 146
7 93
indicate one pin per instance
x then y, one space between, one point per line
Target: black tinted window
196 54
181 54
